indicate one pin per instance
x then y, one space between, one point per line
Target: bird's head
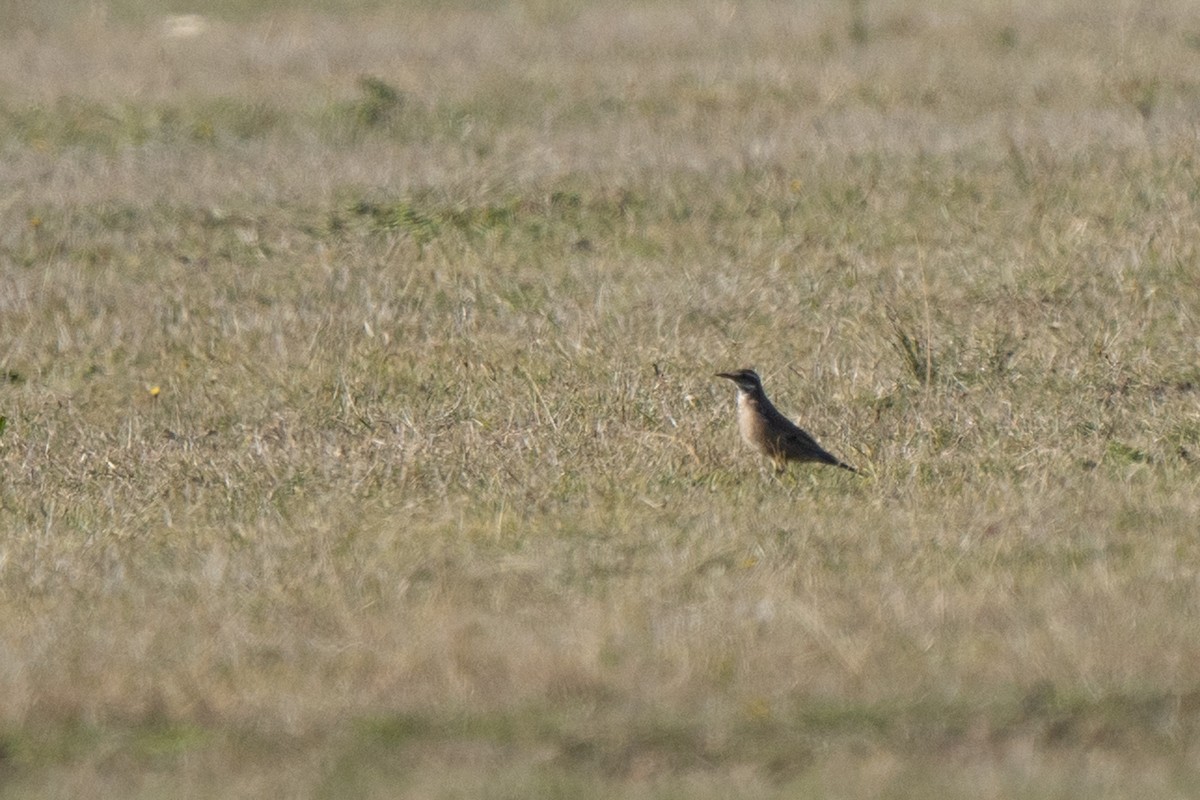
747 380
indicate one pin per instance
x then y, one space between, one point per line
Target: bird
770 432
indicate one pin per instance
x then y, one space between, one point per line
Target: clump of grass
914 349
402 216
380 105
1142 94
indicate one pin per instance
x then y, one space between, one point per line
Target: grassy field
359 434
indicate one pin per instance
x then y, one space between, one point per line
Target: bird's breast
750 421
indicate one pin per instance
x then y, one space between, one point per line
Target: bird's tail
834 461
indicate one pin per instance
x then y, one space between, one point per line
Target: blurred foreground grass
360 435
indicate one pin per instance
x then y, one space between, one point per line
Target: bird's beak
728 375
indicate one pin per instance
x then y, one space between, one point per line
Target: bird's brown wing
799 445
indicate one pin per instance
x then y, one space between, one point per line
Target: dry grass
359 434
